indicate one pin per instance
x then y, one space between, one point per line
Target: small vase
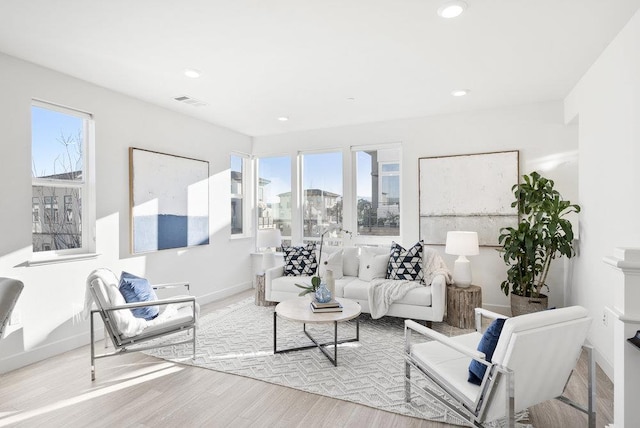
331 282
323 295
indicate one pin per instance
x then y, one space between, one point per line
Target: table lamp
267 241
462 244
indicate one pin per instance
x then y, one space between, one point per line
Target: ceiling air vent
190 100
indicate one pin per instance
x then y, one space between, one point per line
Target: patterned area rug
239 340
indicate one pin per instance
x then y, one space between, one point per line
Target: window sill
62 259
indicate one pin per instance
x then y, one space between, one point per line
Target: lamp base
462 272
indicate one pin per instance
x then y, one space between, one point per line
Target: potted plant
543 233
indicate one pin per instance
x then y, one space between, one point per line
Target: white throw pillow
372 264
331 261
350 261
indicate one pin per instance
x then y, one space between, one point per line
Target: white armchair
532 362
127 332
10 290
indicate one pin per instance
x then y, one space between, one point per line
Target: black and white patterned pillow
300 261
405 263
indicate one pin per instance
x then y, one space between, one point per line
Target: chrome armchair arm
184 299
481 312
410 325
171 285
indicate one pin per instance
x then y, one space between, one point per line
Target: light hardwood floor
136 390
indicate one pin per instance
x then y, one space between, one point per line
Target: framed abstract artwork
467 192
169 201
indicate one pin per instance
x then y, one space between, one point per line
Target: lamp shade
462 243
268 238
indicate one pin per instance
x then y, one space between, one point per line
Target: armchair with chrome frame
534 357
10 290
126 332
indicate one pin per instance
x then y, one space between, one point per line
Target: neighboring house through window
378 191
321 194
274 194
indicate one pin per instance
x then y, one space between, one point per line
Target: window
321 193
60 140
274 194
237 194
378 191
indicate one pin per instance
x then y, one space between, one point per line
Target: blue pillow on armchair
487 345
135 289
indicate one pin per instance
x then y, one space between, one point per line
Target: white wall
54 294
538 131
606 103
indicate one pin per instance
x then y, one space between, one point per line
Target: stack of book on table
330 306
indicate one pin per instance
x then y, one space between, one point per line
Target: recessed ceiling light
192 73
452 8
283 118
460 92
351 98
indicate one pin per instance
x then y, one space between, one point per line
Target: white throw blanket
383 292
433 265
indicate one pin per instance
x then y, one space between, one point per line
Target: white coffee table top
299 309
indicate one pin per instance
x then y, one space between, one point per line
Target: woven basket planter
521 305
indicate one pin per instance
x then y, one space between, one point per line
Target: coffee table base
316 344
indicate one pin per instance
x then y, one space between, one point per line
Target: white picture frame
169 201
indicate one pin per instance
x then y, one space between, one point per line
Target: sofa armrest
270 275
438 297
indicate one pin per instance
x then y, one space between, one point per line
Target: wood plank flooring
135 390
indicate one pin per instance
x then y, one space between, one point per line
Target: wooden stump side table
260 298
461 303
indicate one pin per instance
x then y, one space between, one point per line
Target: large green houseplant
543 233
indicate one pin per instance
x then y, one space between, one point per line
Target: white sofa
426 303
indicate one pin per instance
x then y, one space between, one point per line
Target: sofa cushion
288 284
406 263
372 265
358 290
332 262
300 260
349 258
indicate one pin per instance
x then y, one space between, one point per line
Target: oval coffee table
299 310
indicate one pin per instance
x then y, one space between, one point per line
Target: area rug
239 340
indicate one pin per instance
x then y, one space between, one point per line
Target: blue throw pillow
135 289
487 345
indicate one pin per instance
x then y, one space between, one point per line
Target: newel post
626 356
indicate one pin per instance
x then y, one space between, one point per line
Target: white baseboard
224 293
43 352
49 350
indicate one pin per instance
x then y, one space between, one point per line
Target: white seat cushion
288 284
358 290
449 363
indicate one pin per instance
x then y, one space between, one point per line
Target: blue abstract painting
169 201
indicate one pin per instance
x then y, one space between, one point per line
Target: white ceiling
304 59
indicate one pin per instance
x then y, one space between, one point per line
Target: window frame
86 186
292 178
244 196
353 224
300 190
